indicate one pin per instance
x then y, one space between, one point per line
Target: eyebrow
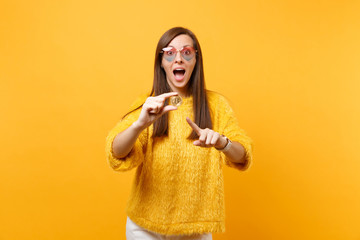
182 46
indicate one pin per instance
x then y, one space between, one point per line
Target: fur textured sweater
178 188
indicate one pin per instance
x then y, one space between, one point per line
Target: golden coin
175 101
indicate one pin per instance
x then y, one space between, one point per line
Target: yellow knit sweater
178 187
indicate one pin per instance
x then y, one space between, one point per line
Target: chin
180 85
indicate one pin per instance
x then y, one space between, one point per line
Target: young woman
179 150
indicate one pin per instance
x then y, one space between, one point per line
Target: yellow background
70 69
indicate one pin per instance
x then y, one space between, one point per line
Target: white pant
135 232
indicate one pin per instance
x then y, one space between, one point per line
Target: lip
182 68
179 79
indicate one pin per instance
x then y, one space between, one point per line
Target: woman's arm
209 138
151 110
124 141
236 153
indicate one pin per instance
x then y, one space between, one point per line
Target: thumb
168 108
197 143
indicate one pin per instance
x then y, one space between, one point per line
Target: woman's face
179 65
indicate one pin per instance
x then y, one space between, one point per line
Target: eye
187 51
170 52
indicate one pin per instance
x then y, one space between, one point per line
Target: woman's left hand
207 137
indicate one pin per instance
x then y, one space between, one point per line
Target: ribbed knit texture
178 187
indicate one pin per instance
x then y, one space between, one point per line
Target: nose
178 57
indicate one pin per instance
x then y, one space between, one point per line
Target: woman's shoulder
216 98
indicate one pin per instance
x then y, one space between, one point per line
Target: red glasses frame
186 52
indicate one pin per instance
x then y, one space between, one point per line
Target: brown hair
196 86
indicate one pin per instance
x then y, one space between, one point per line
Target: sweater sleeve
136 155
232 131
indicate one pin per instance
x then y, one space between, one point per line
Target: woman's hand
153 108
207 137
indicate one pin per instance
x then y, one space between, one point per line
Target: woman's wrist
223 144
137 126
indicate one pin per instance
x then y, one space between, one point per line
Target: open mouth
179 74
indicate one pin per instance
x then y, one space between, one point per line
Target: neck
182 92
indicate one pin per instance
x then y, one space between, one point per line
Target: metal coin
175 101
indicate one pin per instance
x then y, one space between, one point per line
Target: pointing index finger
194 126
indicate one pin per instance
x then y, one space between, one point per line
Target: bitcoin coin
175 101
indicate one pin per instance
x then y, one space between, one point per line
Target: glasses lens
188 53
169 53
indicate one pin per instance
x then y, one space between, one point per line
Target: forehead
181 41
